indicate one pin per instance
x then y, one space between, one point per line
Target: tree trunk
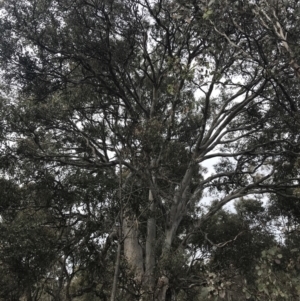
149 280
116 274
132 249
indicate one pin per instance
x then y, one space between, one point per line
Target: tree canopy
126 127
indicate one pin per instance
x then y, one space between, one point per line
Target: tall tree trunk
177 212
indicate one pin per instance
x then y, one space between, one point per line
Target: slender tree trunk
150 251
119 236
149 280
116 274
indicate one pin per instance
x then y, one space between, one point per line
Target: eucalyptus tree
144 94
